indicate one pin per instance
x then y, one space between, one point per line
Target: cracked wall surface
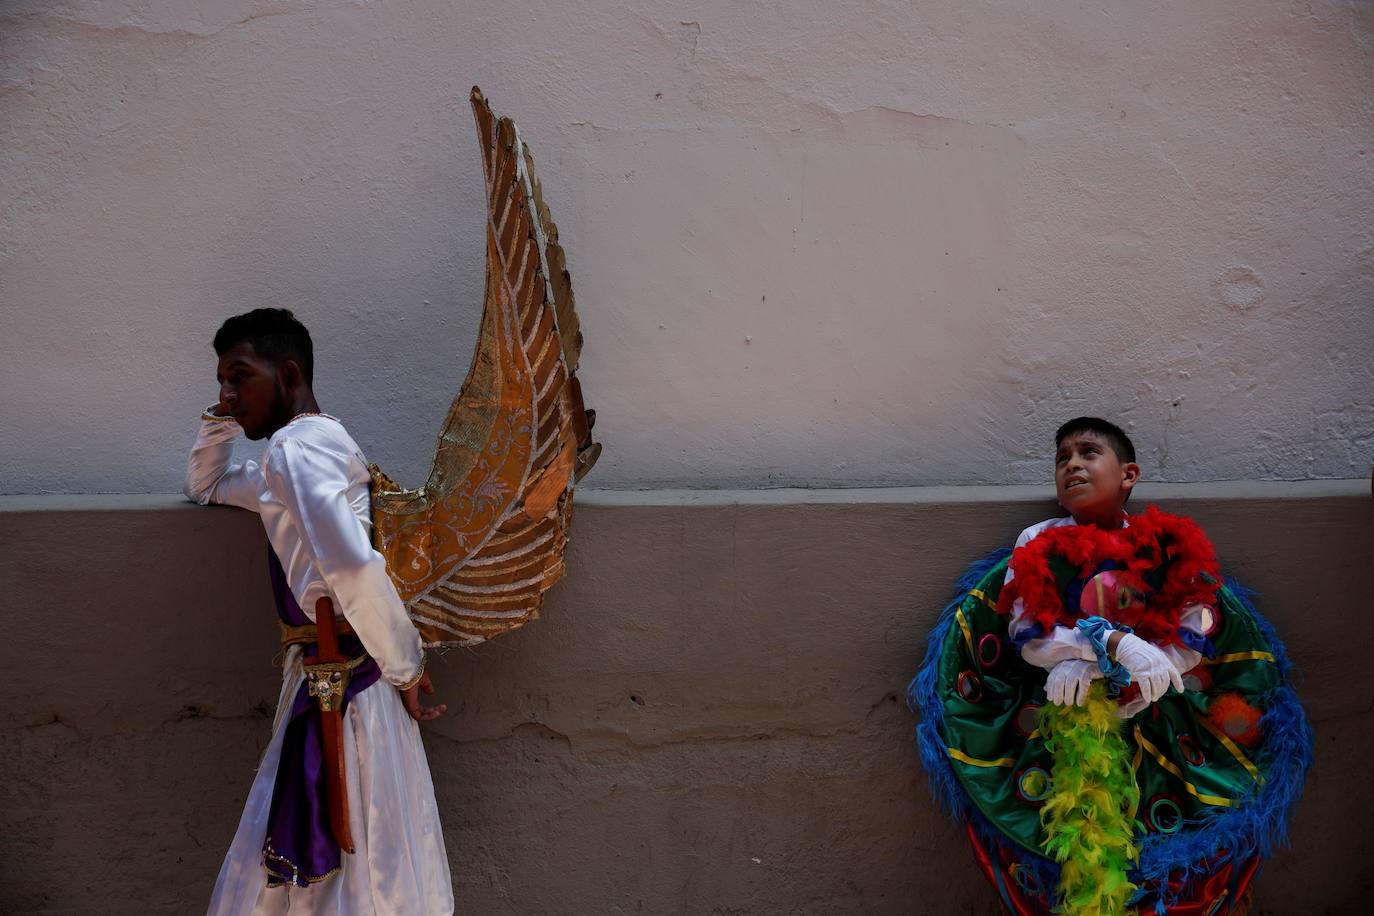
705 720
865 242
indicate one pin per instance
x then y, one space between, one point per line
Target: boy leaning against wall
341 818
1111 725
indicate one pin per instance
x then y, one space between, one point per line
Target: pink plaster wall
851 242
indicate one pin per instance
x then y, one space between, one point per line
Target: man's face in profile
251 390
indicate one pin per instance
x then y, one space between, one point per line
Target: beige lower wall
707 719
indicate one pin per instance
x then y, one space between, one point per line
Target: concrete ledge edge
789 496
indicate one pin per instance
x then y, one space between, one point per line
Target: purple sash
300 848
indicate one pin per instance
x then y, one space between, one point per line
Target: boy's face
252 391
1090 480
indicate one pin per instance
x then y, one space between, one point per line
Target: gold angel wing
473 551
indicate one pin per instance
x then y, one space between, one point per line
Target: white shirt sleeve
1199 619
1022 540
211 475
312 483
1062 643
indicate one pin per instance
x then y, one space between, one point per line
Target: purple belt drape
299 847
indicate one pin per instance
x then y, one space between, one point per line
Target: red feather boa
1191 576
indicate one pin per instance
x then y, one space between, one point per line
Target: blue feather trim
922 695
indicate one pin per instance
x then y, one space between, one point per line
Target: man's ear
290 373
1130 475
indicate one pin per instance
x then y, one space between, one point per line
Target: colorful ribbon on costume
1097 629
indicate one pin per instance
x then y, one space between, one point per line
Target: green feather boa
1087 817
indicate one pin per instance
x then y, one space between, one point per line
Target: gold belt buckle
327 681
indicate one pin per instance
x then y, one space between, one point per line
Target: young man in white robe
311 488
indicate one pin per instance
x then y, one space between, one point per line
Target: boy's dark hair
274 333
1116 438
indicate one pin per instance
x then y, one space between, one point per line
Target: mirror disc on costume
1164 814
1027 719
1208 620
970 687
1196 680
1026 879
989 650
1235 727
1108 595
1033 784
1191 751
1218 903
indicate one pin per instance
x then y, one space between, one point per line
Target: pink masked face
1107 595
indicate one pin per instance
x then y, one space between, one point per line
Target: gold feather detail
473 551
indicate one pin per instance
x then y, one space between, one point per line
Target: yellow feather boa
1087 818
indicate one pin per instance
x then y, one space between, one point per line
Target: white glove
1069 681
1149 667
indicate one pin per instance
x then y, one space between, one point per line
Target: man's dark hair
274 334
1116 438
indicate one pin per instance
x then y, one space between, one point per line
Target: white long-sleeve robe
311 489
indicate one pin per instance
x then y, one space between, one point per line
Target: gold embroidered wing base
473 551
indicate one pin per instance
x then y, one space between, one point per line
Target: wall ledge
783 496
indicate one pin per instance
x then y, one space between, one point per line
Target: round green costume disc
1180 759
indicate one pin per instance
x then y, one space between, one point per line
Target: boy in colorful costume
368 793
1110 723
